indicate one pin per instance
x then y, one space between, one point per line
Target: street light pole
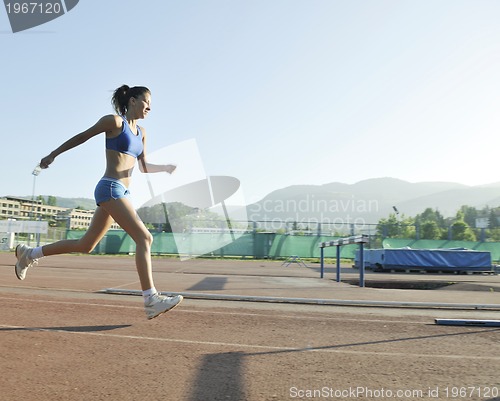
36 171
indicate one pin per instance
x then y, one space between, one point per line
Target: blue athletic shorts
109 188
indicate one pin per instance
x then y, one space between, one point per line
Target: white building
27 209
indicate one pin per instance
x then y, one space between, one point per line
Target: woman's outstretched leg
28 257
99 226
122 211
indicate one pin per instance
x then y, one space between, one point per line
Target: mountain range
368 200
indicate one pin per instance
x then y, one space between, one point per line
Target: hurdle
355 239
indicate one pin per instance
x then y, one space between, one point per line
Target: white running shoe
24 261
158 304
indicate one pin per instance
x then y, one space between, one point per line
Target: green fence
255 245
267 245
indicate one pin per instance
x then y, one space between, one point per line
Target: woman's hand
46 161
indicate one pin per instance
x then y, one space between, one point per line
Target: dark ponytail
122 95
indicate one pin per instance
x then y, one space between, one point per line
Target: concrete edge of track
468 322
314 301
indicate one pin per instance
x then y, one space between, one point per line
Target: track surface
60 339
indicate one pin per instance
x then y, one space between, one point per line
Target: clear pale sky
273 92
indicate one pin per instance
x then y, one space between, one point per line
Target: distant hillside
71 203
369 200
85 203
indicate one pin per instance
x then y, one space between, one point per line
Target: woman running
125 143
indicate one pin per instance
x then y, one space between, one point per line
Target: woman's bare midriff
119 166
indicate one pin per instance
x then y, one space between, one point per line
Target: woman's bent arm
145 167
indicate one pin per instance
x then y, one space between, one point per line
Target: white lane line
265 349
429 321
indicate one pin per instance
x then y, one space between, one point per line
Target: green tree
395 227
430 214
430 230
470 215
51 200
388 227
460 230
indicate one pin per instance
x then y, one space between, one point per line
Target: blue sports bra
127 142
